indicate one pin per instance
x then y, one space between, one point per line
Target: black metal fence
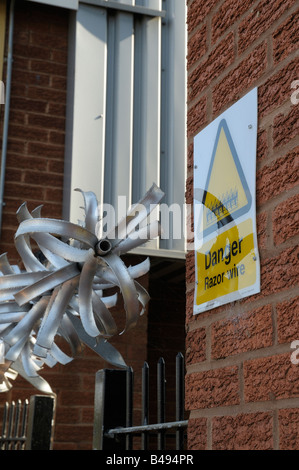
113 411
28 425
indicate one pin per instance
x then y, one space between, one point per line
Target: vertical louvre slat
86 107
127 109
118 161
173 120
147 86
147 98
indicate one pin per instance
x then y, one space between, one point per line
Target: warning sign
226 264
226 254
227 195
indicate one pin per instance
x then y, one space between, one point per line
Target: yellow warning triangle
226 195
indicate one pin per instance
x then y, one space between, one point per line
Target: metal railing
113 412
28 425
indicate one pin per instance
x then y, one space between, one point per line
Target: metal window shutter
124 130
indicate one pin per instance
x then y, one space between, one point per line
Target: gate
113 411
28 425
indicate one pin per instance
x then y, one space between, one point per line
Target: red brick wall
34 173
35 159
242 390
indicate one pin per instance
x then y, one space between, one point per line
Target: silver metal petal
38 382
6 374
12 317
23 213
139 237
69 333
102 313
51 321
2 351
26 324
31 367
59 248
85 295
59 355
58 227
11 307
5 267
10 312
15 350
62 292
127 288
29 260
143 296
134 217
99 345
48 282
139 269
8 294
91 210
110 300
42 239
21 280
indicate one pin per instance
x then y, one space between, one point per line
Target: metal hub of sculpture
63 295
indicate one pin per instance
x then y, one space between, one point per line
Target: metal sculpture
63 295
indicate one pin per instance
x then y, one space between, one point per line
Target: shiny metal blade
62 290
102 313
58 227
85 295
134 217
5 267
49 327
127 288
38 382
102 347
46 283
91 210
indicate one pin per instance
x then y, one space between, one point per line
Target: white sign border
242 121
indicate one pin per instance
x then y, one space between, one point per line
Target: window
126 110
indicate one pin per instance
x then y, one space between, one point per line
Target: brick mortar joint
274 26
276 250
238 360
269 406
270 69
206 55
267 74
291 10
230 311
